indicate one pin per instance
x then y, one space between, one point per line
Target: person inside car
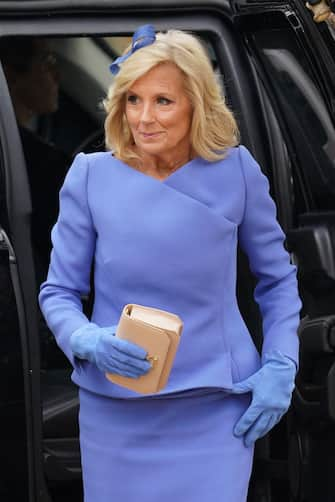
160 216
33 80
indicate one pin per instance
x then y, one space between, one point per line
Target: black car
277 69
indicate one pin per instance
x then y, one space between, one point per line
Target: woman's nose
147 114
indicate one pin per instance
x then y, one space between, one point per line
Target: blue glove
271 388
110 354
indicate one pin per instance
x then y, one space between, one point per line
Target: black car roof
32 5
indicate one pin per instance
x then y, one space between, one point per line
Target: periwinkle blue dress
172 245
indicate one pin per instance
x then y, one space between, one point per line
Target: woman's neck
162 165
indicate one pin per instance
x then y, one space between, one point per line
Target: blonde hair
213 127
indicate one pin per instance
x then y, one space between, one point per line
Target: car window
307 121
114 46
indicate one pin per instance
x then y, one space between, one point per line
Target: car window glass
114 46
307 120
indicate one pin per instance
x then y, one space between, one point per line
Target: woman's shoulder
95 163
231 157
231 154
237 153
247 164
98 158
239 156
235 166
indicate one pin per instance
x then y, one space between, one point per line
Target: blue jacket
172 245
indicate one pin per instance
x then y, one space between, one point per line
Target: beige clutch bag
158 332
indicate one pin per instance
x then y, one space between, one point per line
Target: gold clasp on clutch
152 359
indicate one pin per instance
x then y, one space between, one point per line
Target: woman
161 219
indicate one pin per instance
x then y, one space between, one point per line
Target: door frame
18 242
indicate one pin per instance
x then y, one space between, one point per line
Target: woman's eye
131 98
163 101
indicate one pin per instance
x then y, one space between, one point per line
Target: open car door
20 416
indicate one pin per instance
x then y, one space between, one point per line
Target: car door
294 59
21 476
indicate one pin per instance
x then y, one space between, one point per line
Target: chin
152 148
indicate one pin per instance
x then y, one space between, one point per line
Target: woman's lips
150 134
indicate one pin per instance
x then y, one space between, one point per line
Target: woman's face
159 112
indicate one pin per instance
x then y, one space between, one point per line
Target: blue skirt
168 449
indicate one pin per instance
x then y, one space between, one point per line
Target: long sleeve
73 238
262 239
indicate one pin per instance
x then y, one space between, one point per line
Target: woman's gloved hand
110 354
271 388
